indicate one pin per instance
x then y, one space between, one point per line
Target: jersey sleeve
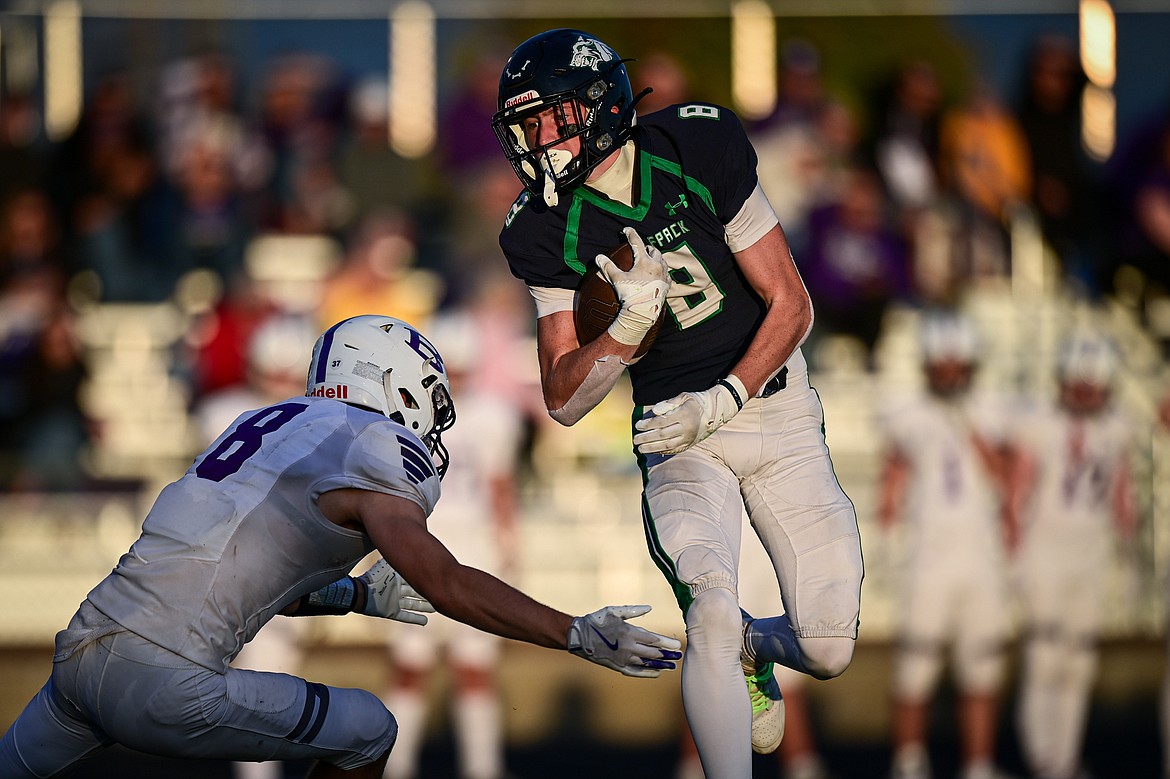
993 417
533 241
386 457
1029 426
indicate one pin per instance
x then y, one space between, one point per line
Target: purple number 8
245 440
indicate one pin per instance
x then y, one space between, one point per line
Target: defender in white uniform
275 360
943 476
270 519
1074 464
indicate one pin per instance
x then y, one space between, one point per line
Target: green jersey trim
636 213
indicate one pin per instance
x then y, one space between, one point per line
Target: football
597 304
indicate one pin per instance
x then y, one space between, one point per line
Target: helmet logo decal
531 94
519 73
423 349
590 53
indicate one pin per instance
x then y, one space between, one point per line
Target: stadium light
412 79
753 58
1099 61
1098 42
63 76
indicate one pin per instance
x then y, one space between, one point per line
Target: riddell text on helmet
339 391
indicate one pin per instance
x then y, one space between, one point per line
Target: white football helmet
1086 367
948 335
383 364
1087 356
950 351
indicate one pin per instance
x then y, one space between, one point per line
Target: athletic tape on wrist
337 597
734 392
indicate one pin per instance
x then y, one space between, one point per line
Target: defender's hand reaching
604 637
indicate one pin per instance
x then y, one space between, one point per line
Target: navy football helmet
572 81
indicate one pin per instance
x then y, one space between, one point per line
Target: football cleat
767 702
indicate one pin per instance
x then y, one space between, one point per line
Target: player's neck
615 176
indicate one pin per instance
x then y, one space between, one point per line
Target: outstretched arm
398 527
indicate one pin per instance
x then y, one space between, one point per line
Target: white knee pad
979 668
917 671
714 618
826 657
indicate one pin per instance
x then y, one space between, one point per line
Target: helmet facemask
580 86
442 414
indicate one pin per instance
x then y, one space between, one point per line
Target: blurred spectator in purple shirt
855 263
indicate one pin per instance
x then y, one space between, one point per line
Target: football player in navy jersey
725 417
270 519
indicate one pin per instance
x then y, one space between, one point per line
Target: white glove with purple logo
604 637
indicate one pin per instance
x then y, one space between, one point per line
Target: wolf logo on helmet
590 53
383 364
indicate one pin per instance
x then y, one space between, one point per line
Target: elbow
806 314
802 316
564 415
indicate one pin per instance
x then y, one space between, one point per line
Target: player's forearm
894 476
1124 510
772 273
784 329
481 600
576 380
343 596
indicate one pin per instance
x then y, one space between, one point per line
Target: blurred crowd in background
261 221
905 196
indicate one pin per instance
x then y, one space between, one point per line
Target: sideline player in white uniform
944 475
1073 462
476 521
270 519
725 417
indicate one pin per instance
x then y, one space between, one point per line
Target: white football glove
679 423
388 595
604 637
641 290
